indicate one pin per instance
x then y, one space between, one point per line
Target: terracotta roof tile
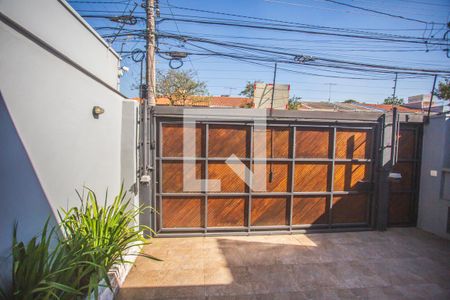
210 101
388 107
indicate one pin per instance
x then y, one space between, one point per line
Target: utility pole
148 102
148 93
395 87
329 90
151 68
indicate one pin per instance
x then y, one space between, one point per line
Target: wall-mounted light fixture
96 111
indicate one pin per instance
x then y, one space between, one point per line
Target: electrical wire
285 29
331 62
178 29
380 12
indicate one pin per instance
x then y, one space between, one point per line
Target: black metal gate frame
372 125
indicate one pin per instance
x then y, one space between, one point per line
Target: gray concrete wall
59 25
129 140
23 199
50 142
433 210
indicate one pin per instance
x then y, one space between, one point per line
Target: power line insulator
177 54
303 58
128 20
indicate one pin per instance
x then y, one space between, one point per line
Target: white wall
129 159
433 211
50 142
59 25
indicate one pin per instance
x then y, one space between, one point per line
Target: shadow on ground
403 263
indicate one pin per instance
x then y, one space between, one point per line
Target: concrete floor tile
422 291
233 297
233 289
272 279
178 292
401 263
376 293
225 275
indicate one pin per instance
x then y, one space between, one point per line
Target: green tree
294 103
179 86
249 90
350 101
393 100
443 91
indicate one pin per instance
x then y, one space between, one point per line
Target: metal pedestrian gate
403 200
319 176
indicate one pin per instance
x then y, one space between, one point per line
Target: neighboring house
209 101
422 102
264 93
340 106
227 101
330 106
51 142
388 107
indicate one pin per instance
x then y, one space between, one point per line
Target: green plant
42 269
294 103
105 232
179 86
94 239
393 100
443 91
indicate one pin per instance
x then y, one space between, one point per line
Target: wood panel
278 182
406 144
313 143
172 140
182 212
277 139
230 181
225 140
400 205
351 177
270 210
353 144
311 177
350 208
406 182
310 210
226 211
172 176
267 211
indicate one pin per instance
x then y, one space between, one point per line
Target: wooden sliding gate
318 176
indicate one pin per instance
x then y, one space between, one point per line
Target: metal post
385 167
395 86
273 88
292 175
333 163
205 188
431 99
250 188
329 90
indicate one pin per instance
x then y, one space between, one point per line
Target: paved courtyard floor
401 263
